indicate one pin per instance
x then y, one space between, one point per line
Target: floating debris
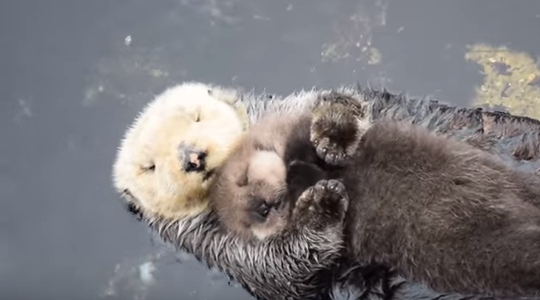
354 35
501 68
263 18
25 111
145 272
92 94
158 73
534 80
375 56
134 278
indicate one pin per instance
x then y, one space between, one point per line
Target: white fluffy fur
153 140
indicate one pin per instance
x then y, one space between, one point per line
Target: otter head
250 193
167 157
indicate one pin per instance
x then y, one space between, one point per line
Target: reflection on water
75 73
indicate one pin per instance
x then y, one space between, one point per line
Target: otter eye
263 210
260 209
149 168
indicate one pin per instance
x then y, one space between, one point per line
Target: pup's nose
193 160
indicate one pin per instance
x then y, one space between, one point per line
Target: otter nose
193 160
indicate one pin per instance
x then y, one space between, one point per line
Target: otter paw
330 152
335 133
328 198
332 197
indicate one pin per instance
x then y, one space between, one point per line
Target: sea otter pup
165 161
440 211
256 188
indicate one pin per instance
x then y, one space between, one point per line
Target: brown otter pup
440 211
259 184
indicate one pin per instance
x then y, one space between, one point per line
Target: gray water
74 73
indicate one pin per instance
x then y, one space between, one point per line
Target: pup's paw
336 130
326 200
331 196
336 152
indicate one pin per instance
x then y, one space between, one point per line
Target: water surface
73 74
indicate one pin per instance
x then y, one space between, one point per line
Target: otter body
440 211
161 182
443 213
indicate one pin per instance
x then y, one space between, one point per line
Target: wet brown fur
440 211
443 212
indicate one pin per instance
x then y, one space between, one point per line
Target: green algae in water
375 56
512 79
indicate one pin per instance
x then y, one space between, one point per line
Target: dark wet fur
515 138
443 213
261 269
440 211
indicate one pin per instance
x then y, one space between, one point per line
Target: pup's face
167 159
250 194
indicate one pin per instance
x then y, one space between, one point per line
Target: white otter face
166 160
